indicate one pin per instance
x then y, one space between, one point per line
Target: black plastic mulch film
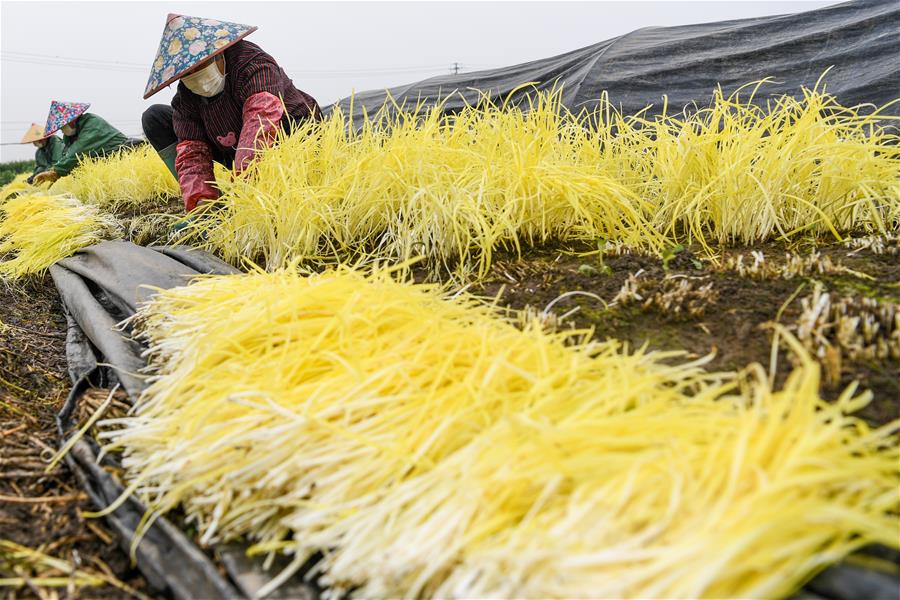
858 42
99 287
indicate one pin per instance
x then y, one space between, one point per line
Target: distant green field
9 170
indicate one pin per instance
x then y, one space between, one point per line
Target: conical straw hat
63 113
186 42
34 133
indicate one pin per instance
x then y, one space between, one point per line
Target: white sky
329 49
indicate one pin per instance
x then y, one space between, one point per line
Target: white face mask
206 82
68 129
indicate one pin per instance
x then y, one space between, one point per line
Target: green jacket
93 137
45 157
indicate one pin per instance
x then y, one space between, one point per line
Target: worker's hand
46 177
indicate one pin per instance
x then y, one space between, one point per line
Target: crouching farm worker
85 135
49 149
232 99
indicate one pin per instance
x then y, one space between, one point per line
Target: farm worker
232 99
84 135
49 148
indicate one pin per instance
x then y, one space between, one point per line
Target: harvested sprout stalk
433 449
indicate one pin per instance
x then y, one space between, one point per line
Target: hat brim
215 53
80 112
26 139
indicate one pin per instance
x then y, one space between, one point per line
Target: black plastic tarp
860 40
104 284
99 287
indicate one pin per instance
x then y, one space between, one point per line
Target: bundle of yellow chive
18 185
40 225
37 229
431 449
457 189
127 179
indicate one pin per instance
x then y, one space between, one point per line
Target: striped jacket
218 120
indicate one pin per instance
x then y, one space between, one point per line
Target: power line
99 61
58 57
19 123
72 63
107 65
130 135
363 70
111 120
14 130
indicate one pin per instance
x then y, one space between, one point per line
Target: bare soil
39 510
735 312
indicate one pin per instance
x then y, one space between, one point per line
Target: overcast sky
100 52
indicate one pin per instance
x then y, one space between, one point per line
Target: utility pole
456 68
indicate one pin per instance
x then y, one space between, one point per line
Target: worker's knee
157 125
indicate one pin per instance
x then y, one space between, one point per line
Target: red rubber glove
45 176
194 164
262 113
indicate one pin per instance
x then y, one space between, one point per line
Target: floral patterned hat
187 41
63 113
34 133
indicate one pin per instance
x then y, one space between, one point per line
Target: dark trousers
157 124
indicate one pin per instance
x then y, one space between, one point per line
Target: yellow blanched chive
125 179
433 449
18 185
455 189
38 229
